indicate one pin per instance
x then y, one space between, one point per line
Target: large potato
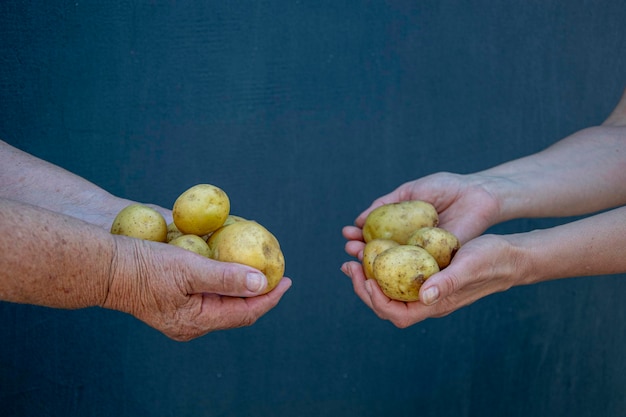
141 222
400 271
396 221
440 243
249 243
201 209
372 249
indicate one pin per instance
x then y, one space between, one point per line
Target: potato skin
201 209
173 232
440 243
232 219
141 222
400 271
193 243
372 249
396 221
249 243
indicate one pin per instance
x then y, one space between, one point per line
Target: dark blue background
304 112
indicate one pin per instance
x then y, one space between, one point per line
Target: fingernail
368 287
255 282
430 296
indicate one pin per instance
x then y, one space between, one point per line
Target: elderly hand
185 295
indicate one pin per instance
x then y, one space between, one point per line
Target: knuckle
451 284
229 278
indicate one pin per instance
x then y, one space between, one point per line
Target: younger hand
473 274
465 205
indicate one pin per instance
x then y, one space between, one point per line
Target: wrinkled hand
184 295
483 266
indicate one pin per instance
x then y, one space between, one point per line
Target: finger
401 314
229 312
225 278
383 306
352 233
355 248
355 272
443 284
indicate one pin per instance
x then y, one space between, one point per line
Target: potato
141 222
232 219
400 271
372 249
396 221
173 232
440 243
193 243
201 209
249 243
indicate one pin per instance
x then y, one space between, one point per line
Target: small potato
201 209
192 243
173 232
249 243
440 243
401 271
372 249
232 219
141 222
396 221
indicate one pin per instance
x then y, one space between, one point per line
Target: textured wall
304 112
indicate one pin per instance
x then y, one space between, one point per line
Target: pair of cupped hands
183 301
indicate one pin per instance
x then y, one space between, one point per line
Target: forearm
52 260
581 174
592 246
30 180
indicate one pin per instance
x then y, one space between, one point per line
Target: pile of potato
404 247
202 223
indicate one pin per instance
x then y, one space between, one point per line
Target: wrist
118 292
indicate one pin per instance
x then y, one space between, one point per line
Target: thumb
227 278
439 286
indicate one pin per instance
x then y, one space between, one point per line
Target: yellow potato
440 243
396 221
249 243
173 232
192 243
372 249
141 222
201 209
232 219
400 271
